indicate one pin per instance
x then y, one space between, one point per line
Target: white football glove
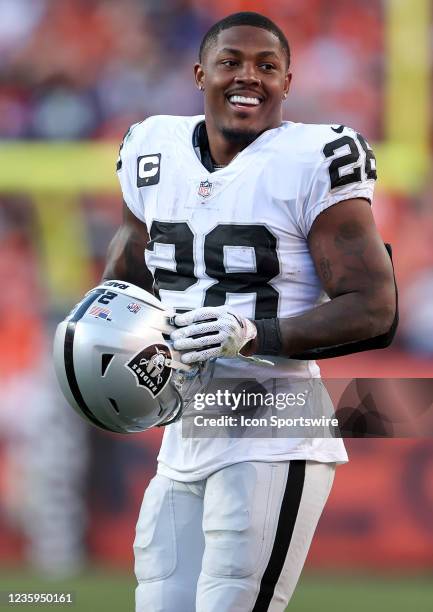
211 332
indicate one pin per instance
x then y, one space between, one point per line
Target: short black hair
239 19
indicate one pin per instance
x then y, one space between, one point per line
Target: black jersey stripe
286 524
69 358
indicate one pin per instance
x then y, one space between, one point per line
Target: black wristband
268 337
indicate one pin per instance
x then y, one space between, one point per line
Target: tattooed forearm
325 270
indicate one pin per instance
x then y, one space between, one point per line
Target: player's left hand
211 332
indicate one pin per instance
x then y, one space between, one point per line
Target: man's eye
267 67
229 63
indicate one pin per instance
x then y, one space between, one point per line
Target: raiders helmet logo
151 367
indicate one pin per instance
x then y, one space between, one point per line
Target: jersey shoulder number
352 158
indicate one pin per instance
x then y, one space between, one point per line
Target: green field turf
108 591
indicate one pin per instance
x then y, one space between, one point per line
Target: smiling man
260 232
245 75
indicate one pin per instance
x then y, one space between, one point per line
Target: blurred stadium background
74 74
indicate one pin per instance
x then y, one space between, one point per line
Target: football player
260 231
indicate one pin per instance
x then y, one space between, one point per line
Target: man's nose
248 74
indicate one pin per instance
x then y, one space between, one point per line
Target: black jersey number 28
338 178
249 238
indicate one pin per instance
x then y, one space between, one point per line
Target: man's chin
240 136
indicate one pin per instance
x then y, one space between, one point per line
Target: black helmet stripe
69 359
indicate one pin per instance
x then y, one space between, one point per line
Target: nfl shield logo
205 189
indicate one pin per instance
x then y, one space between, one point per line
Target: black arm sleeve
378 342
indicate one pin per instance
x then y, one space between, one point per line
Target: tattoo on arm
350 238
352 243
343 261
325 270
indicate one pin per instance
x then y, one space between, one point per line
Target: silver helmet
115 362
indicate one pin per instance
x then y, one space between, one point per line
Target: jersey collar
200 142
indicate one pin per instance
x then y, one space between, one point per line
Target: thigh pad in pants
235 520
155 541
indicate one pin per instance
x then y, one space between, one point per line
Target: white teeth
244 100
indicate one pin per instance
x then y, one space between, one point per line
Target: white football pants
234 542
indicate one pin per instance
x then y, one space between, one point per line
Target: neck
224 149
224 145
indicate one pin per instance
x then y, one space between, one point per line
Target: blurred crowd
79 69
86 70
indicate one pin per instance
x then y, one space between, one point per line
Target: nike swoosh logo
339 129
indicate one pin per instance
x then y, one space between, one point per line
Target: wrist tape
268 337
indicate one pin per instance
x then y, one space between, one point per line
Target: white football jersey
238 236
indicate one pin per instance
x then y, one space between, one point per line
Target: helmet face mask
115 362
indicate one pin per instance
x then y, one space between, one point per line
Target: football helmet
115 362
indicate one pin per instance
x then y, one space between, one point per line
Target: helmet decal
152 367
